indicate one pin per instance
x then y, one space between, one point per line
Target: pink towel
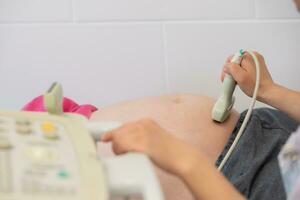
37 105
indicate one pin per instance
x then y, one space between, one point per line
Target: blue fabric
253 166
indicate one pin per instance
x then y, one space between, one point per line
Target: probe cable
249 112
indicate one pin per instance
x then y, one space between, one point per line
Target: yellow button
48 127
50 130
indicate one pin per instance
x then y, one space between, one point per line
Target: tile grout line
255 9
256 20
73 11
165 56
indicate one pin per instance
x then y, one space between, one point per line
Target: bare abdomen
187 117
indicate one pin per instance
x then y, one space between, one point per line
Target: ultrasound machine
53 156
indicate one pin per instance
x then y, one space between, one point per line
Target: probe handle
53 99
229 83
228 88
98 129
224 104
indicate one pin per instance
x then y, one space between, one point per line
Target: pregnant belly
187 117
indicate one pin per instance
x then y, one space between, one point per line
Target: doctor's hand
174 156
147 137
245 75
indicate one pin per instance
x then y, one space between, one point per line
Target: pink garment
37 105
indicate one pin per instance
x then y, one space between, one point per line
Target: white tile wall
196 53
270 9
102 55
99 64
35 10
91 10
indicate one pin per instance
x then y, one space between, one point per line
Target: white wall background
105 51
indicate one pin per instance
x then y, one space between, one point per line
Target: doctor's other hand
245 74
147 137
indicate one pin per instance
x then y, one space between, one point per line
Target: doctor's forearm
206 182
284 99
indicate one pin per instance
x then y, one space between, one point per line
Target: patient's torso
188 117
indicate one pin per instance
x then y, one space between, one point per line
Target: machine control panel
38 158
45 154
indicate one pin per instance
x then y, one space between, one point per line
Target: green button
63 174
